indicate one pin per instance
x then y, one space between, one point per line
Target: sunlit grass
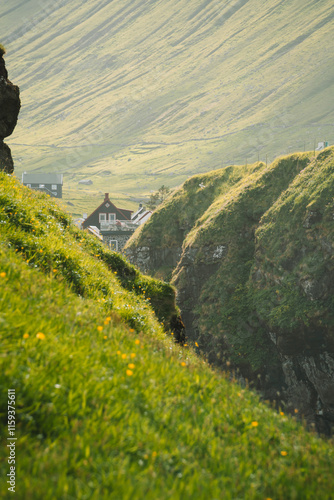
109 406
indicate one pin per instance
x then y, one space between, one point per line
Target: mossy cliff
254 249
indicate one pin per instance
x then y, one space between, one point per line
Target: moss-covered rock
255 275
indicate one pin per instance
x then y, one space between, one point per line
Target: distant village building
51 184
141 216
114 225
322 145
107 212
86 182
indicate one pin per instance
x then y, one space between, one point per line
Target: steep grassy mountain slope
106 405
136 94
254 273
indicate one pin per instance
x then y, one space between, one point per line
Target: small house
322 145
106 212
141 216
115 225
51 184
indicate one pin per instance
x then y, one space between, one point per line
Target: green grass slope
138 94
107 405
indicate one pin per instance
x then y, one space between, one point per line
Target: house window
41 186
102 217
112 217
54 187
113 244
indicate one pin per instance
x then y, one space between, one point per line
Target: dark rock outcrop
9 110
6 160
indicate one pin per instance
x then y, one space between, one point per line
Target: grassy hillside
107 405
136 94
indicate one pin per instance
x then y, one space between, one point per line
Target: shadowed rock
6 160
9 110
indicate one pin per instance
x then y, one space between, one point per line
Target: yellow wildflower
124 356
284 453
129 373
99 328
254 424
26 336
2 275
183 363
131 366
137 341
132 355
40 336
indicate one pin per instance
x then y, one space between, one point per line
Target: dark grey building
51 184
107 212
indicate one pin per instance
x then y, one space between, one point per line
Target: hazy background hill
136 94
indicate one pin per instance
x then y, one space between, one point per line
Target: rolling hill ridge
140 94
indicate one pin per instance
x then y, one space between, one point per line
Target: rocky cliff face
9 109
255 276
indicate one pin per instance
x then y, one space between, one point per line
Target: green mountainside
108 406
136 94
250 250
